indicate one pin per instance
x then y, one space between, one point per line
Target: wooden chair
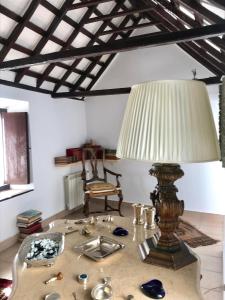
96 185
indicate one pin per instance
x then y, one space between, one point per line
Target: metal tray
26 245
99 247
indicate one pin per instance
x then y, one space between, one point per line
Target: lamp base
173 260
167 250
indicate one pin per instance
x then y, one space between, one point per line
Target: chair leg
120 195
106 203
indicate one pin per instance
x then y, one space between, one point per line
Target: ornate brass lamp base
167 251
173 260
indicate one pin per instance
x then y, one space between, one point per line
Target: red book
31 229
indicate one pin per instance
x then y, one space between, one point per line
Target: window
14 140
14 148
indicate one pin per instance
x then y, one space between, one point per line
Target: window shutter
16 147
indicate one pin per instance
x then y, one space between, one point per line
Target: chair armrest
111 172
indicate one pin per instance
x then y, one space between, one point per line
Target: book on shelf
27 225
29 215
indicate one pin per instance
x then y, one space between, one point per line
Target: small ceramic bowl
119 231
153 289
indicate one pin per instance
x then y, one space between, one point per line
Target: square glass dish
35 255
99 247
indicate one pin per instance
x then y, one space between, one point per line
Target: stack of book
63 160
29 222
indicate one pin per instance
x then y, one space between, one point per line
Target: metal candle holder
149 212
138 214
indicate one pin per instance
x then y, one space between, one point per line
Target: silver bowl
26 245
102 291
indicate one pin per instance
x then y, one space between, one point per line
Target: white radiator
74 195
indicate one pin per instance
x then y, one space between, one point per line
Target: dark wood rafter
66 18
43 41
110 58
99 31
218 3
128 28
118 91
95 39
201 10
24 86
19 28
203 44
110 36
167 23
185 19
71 22
69 40
210 61
88 3
42 32
145 40
119 14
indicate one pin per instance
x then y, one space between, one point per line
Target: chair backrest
94 158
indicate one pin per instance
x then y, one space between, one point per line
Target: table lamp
168 122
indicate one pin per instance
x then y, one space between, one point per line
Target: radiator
74 195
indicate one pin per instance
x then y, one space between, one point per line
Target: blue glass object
153 289
119 231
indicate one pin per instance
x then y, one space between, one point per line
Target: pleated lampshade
169 121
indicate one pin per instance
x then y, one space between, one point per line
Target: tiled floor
211 256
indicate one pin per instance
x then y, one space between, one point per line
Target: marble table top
125 267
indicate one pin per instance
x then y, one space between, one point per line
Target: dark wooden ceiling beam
88 3
71 38
12 15
19 28
75 70
43 41
24 87
218 3
98 32
93 93
118 91
67 19
180 23
119 14
167 23
130 44
128 28
49 78
110 58
110 23
17 47
185 19
201 10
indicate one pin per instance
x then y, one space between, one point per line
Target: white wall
202 187
54 126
